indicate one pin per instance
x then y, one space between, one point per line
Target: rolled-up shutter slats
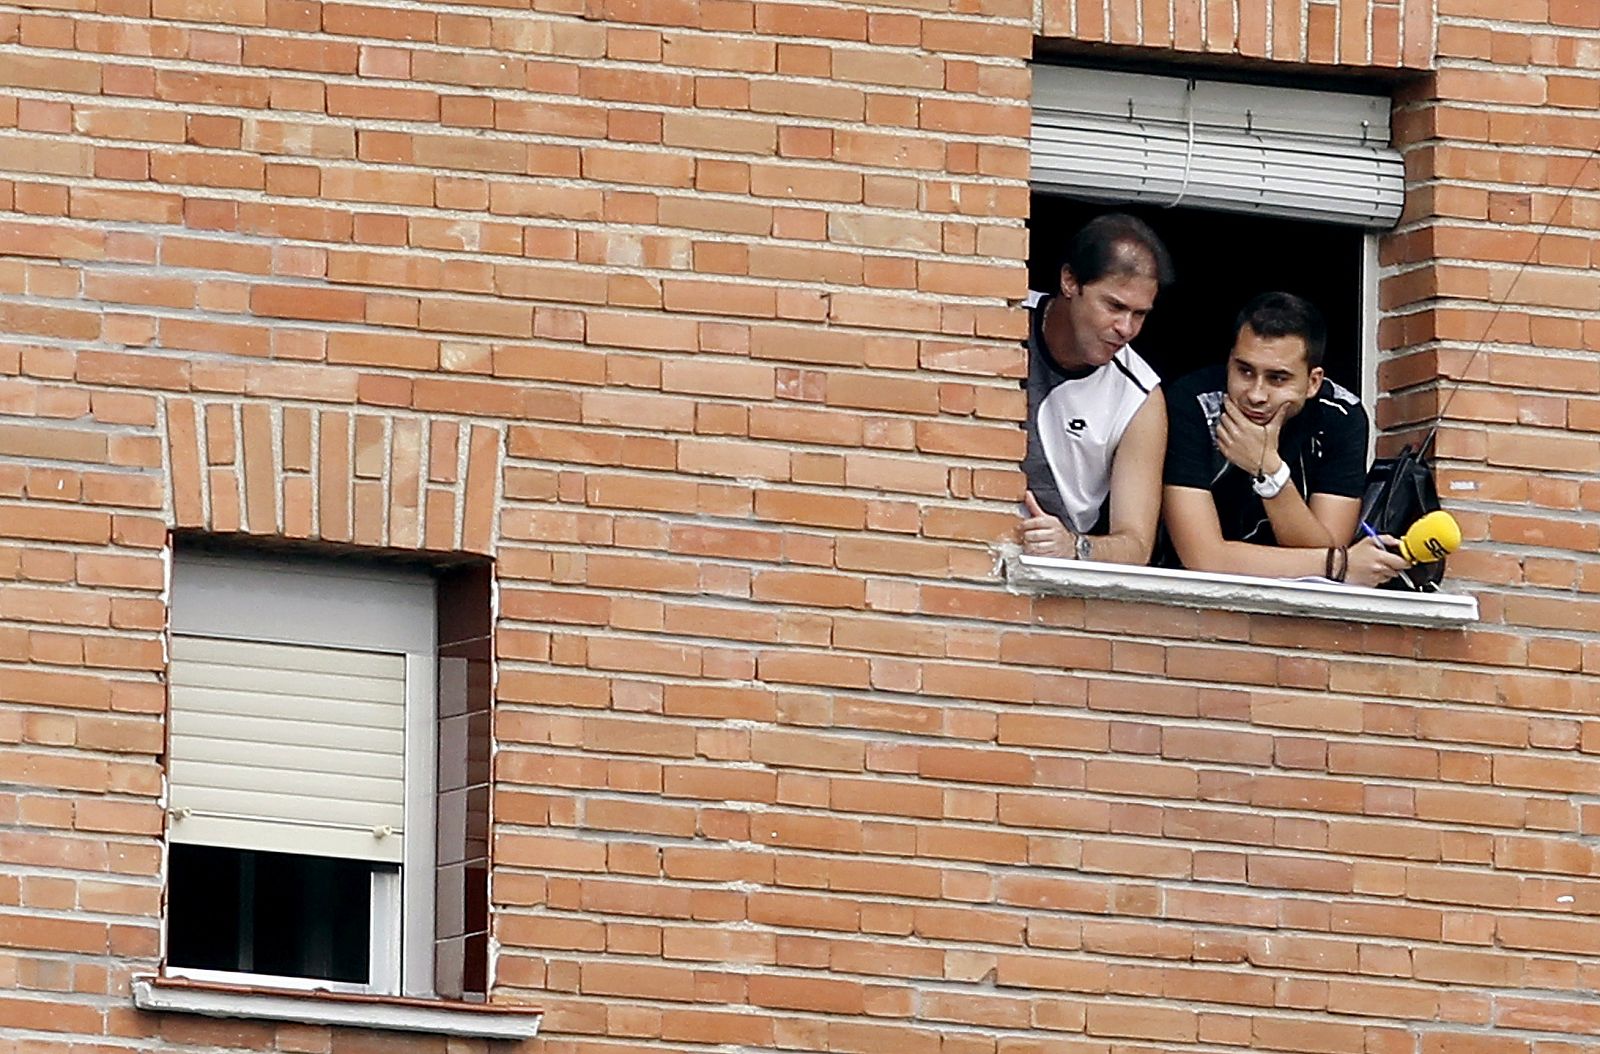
1127 138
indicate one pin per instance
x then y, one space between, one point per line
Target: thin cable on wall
1511 289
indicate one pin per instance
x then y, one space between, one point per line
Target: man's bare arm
1191 518
1136 487
1338 516
1135 498
1327 520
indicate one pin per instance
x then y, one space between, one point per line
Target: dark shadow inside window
1222 260
466 703
281 914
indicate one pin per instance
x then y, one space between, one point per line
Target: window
327 767
1252 188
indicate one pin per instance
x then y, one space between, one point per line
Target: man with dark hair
1267 459
1096 427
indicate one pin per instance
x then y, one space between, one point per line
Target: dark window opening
282 914
1222 260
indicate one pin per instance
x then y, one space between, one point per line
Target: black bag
1400 491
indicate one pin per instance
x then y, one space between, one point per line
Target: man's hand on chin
1249 446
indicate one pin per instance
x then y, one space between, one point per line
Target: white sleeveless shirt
1075 423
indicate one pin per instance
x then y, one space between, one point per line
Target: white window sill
1196 589
475 1020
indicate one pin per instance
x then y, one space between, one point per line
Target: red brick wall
1385 34
714 297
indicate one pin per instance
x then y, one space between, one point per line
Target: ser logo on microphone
1431 538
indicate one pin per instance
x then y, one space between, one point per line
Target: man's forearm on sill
1121 547
1263 561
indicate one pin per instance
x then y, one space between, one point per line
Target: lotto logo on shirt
1077 424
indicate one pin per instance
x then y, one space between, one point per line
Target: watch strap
1269 486
1082 547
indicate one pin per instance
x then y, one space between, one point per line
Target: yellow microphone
1431 538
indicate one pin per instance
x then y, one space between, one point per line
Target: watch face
1085 548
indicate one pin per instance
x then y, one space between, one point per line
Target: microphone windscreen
1431 538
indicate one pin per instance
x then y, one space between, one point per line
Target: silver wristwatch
1082 548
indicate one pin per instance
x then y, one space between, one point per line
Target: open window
1252 188
327 775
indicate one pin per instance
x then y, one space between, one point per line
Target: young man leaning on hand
1266 459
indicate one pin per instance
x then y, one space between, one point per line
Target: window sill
439 1017
1276 596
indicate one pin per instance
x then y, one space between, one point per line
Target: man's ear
1314 382
1069 282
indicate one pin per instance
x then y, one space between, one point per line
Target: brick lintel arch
349 477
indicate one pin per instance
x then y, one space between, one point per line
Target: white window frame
1370 315
358 608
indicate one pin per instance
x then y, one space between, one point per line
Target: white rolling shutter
1134 138
300 708
287 747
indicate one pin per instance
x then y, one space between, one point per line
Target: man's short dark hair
1286 315
1115 243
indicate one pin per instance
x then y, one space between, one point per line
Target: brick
261 508
322 305
359 349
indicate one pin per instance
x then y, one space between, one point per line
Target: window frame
402 898
1371 313
1188 588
